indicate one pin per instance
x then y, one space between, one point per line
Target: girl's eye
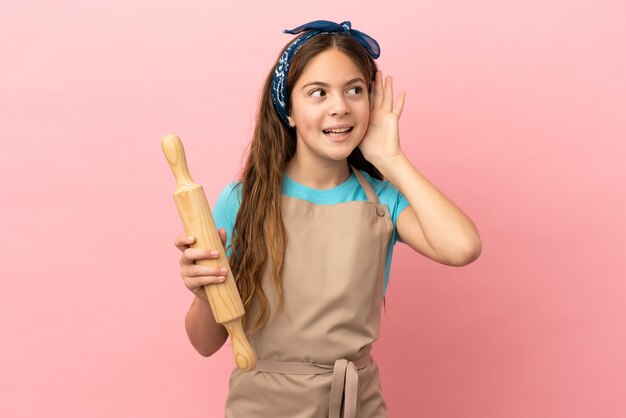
356 90
318 93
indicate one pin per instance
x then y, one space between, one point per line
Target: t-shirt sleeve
395 201
401 204
225 210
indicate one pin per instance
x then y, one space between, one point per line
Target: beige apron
314 357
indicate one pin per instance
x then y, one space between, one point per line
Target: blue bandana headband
280 91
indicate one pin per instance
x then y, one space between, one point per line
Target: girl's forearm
206 335
445 226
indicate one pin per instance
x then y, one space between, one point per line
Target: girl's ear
291 122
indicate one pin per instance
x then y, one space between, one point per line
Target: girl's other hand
381 143
194 275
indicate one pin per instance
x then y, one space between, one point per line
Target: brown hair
259 234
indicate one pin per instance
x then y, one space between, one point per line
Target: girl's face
330 107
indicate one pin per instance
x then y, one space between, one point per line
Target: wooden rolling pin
197 220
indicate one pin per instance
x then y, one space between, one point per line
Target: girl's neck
318 176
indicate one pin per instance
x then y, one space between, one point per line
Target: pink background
515 110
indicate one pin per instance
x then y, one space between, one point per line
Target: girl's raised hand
195 276
381 142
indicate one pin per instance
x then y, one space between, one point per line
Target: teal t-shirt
227 204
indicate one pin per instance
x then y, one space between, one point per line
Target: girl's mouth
337 132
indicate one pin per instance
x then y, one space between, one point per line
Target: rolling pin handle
242 351
175 156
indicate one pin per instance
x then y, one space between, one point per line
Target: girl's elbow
207 350
469 254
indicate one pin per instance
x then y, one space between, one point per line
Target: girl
325 193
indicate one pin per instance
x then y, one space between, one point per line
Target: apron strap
345 382
367 188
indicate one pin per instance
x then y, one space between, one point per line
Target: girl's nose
339 106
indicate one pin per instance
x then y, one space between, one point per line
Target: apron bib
314 355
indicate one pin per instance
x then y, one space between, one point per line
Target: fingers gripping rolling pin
197 220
